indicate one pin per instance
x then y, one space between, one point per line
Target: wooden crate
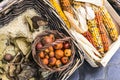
113 47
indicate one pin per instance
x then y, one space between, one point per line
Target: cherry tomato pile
56 55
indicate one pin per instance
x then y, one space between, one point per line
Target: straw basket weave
44 9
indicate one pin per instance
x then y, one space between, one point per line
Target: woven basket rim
38 60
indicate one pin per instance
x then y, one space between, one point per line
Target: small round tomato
39 46
58 63
45 61
66 45
47 56
47 40
51 48
51 54
64 60
67 52
41 54
46 50
59 53
52 36
52 61
58 46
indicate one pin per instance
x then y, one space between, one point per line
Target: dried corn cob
92 27
89 37
81 16
110 26
102 31
65 5
67 9
59 10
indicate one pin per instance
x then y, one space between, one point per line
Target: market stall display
46 39
93 27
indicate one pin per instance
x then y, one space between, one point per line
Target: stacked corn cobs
101 27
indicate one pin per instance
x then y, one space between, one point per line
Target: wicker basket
63 38
44 9
115 4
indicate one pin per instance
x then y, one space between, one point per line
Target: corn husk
23 45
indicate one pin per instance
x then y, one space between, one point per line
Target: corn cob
67 9
65 5
102 31
110 26
92 27
89 37
81 16
60 12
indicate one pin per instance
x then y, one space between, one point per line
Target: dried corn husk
3 77
74 23
86 45
30 23
81 18
3 44
97 3
10 49
23 45
90 12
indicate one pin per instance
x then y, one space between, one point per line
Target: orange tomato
58 46
47 50
59 53
41 54
51 48
58 63
47 56
52 36
52 61
45 61
51 54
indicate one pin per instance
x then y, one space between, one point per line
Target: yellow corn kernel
102 31
92 27
109 24
60 12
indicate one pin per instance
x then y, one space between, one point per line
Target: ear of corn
110 26
92 27
81 16
102 31
60 12
65 5
89 37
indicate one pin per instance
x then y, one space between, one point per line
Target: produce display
91 22
30 50
54 55
52 51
